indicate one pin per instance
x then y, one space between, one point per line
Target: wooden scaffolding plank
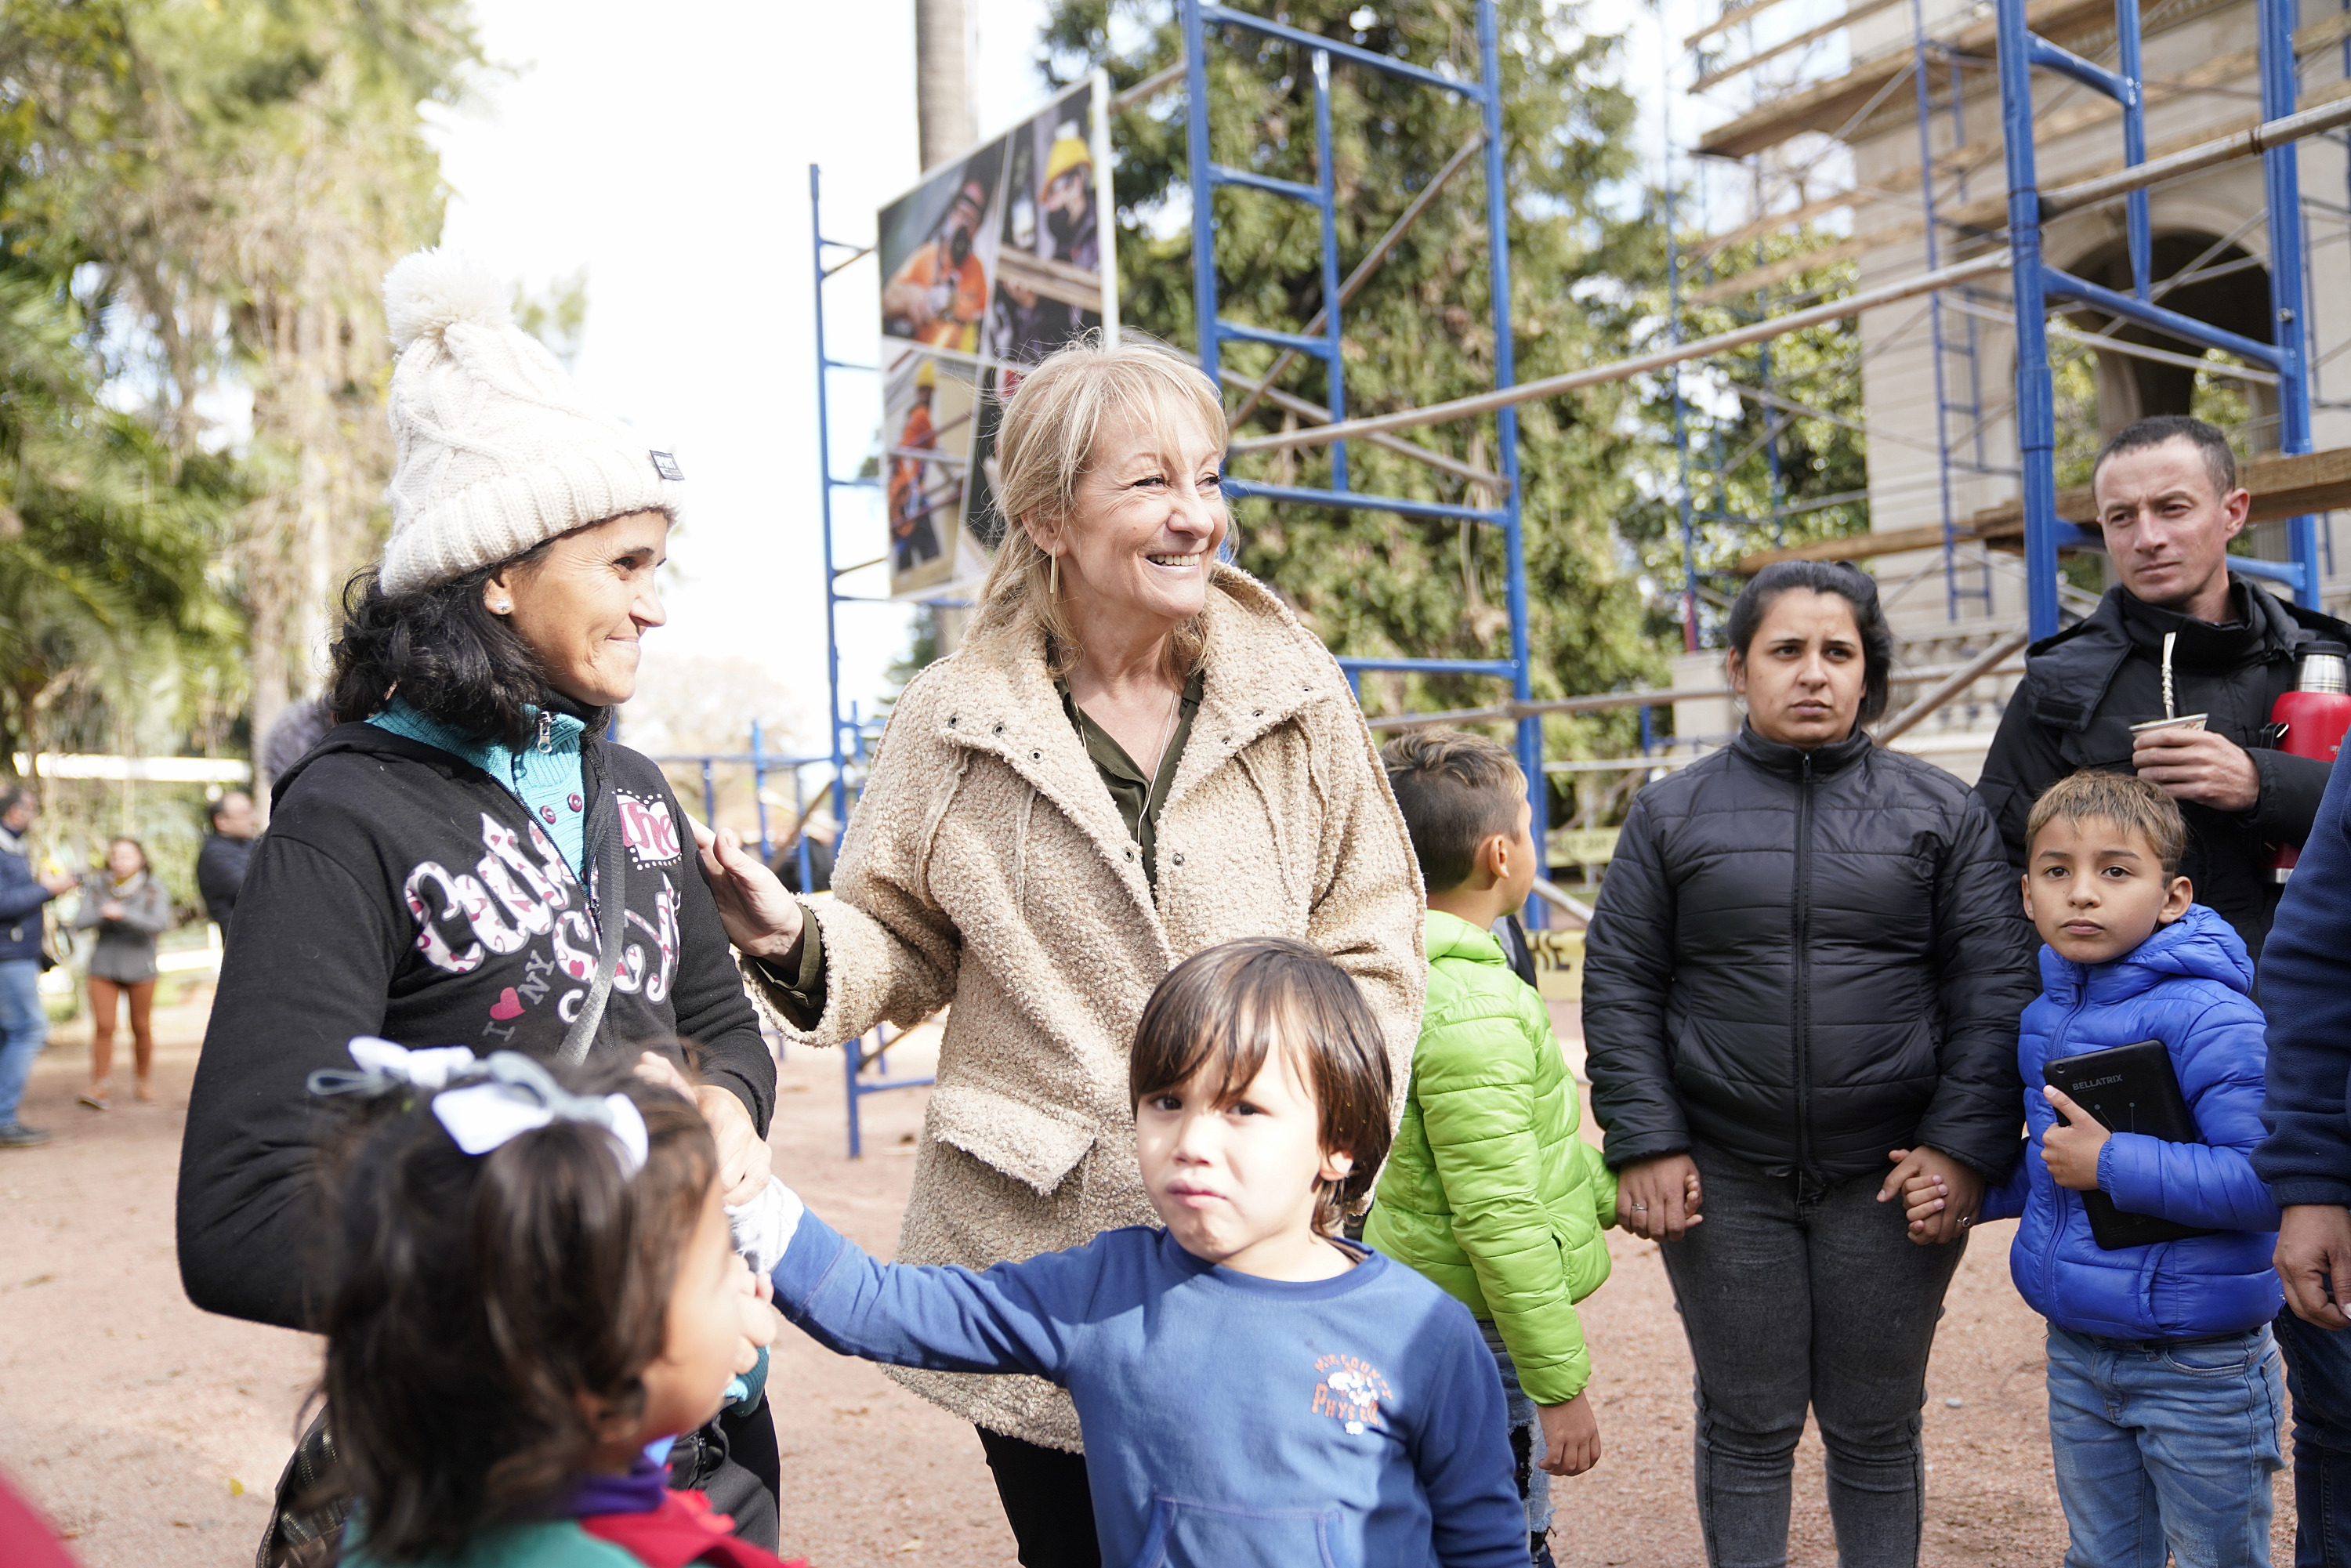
1853 13
1829 104
1991 212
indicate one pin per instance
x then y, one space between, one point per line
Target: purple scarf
639 1491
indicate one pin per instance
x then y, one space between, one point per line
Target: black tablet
2129 1089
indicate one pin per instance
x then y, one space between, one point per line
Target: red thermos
2311 720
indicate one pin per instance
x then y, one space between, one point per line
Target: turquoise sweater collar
545 776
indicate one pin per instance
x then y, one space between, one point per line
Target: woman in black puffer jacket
1802 984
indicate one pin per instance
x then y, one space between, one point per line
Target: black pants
1045 1501
1795 1293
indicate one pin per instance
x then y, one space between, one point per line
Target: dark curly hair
1848 582
476 1309
441 648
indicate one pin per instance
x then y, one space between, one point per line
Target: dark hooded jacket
401 892
1806 959
2084 687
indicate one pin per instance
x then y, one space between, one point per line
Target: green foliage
558 318
1797 396
196 197
1370 583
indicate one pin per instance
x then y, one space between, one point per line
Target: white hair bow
515 1095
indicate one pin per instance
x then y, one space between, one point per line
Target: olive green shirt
1137 799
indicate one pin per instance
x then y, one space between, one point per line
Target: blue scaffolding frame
1200 21
2038 284
846 730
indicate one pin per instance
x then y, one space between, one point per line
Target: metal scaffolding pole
1322 340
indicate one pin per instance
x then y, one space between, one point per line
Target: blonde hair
1046 443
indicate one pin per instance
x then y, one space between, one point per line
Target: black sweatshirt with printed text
401 892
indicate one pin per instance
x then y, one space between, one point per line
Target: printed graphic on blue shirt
1350 1392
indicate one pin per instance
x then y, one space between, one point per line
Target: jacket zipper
1802 999
2057 1232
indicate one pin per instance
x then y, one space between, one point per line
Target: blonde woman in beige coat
1138 753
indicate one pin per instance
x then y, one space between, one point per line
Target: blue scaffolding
866 1071
1201 22
2038 284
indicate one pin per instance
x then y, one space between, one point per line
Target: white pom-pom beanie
492 449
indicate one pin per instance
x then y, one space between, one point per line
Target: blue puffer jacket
2190 986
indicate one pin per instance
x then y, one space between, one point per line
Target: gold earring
1053 582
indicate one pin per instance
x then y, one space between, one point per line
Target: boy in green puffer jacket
1488 1192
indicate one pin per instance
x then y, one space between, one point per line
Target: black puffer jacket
1805 960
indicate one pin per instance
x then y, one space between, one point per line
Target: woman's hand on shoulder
761 917
1658 1199
1940 1196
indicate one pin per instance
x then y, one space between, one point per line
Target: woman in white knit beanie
464 859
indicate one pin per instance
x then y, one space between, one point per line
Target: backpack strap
609 854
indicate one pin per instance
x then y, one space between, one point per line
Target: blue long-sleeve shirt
2189 985
1229 1420
2306 991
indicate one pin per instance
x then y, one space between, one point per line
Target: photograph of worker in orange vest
927 423
937 245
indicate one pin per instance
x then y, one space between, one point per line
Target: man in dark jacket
2306 1160
2169 504
23 1025
228 850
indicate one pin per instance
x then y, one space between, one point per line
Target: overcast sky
666 151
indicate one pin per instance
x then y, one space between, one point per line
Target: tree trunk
942 82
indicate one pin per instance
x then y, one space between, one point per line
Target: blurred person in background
301 727
1808 956
464 859
822 833
227 850
128 909
23 896
1138 753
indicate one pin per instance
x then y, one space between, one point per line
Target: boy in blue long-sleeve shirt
1252 1389
2165 1390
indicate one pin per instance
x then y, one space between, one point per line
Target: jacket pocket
1029 1143
1186 1534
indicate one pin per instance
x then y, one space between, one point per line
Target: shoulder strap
611 852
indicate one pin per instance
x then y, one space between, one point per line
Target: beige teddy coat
987 867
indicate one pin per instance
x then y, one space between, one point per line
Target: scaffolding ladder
2038 284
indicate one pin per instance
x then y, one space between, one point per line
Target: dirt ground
152 1433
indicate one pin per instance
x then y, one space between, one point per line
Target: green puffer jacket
1488 1192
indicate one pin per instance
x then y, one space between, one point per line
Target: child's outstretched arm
1013 1318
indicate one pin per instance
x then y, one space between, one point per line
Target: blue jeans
22 1028
1527 1449
2318 1374
2166 1447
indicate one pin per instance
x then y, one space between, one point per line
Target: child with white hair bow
531 1291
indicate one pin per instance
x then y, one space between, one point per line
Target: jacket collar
995 696
2200 944
1448 935
1788 760
2205 646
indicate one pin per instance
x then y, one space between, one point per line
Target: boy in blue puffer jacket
2165 1390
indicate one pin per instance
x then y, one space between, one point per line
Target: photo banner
987 265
